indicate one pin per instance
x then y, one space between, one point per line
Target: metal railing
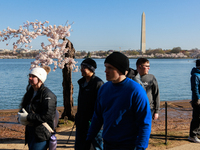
173 106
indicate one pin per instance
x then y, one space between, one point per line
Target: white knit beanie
40 73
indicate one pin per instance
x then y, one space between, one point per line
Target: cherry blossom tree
59 51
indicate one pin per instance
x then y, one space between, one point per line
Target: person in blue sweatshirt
195 87
122 107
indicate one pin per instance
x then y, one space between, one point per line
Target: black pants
195 123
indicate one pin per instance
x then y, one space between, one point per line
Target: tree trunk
67 93
68 86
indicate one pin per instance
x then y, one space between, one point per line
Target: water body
173 77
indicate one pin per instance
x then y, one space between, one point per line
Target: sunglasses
147 66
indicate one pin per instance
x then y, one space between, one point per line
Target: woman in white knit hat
38 106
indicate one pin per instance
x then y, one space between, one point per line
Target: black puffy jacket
86 100
41 108
134 75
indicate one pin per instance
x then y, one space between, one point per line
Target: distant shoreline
104 58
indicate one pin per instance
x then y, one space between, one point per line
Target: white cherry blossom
53 53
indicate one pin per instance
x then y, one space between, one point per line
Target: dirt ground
173 130
164 134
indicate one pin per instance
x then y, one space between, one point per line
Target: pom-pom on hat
90 64
119 61
41 73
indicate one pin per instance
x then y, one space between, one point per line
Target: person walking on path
151 85
89 85
122 108
195 87
37 107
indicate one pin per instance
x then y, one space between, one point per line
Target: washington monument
143 35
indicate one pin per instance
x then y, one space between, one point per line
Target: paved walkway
191 146
63 136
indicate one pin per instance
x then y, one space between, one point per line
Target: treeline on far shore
176 52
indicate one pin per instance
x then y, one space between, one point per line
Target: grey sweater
150 83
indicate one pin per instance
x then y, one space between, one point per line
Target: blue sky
111 24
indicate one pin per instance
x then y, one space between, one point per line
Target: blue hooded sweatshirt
195 84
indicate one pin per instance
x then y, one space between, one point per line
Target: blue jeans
117 146
121 148
33 145
98 141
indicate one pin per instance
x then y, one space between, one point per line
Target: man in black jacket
89 85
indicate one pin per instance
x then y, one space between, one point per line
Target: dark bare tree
67 85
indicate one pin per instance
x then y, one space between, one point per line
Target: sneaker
194 139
